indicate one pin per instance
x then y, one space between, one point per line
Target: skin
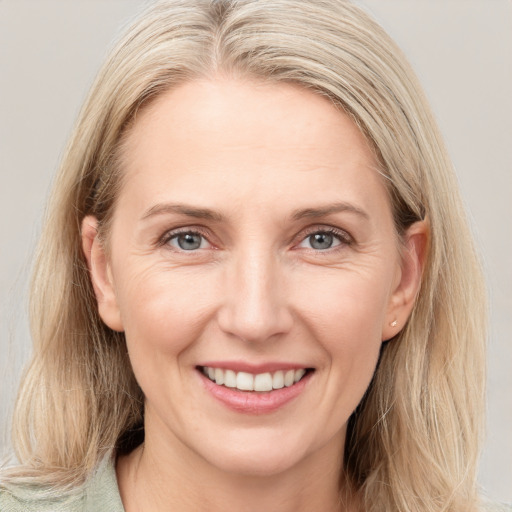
256 290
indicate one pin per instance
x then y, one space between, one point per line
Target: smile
261 382
247 389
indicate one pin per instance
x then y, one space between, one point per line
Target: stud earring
393 323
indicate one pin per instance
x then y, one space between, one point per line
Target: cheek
345 304
345 316
164 314
162 310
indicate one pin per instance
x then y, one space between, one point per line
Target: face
255 270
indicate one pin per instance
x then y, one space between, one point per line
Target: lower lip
255 402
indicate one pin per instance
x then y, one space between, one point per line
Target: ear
100 274
408 282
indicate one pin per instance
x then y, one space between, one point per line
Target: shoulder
100 492
23 498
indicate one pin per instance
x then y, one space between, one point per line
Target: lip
254 402
242 366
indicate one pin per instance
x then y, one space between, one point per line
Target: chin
258 464
260 455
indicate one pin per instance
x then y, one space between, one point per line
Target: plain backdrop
50 51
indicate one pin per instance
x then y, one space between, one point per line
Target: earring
393 323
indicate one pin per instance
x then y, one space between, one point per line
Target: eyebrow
208 214
182 209
328 210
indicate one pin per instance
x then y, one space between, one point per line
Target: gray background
50 51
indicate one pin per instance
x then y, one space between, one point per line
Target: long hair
413 442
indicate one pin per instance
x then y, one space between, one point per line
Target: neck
158 479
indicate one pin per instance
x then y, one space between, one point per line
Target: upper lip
243 366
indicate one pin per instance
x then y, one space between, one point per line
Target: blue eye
188 241
321 241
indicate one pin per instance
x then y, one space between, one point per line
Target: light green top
99 494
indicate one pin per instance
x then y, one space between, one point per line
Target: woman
248 293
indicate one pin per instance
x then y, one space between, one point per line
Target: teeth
219 376
248 382
299 374
229 379
263 382
278 380
289 378
244 381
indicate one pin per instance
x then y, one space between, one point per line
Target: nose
255 306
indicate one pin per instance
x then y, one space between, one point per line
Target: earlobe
100 274
414 253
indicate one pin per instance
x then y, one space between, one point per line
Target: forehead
231 111
214 139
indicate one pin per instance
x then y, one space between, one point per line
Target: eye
187 241
323 240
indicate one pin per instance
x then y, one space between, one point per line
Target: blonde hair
413 442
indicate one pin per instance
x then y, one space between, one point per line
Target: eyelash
189 230
342 236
